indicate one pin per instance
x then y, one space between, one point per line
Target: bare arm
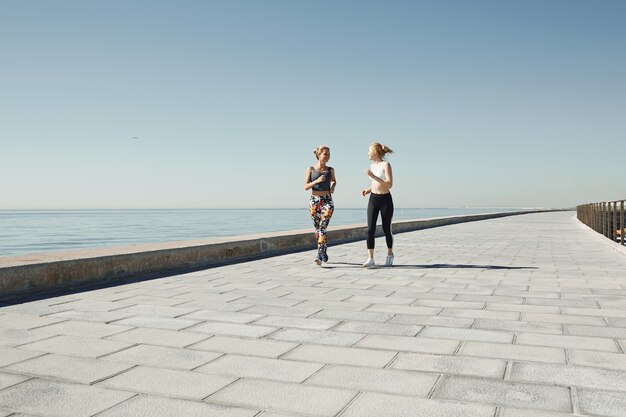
333 180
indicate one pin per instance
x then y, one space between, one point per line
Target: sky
486 103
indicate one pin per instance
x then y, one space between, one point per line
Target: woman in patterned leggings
320 179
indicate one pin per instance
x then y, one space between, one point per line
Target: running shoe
324 256
369 262
389 260
317 260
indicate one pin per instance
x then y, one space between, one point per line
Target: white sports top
380 172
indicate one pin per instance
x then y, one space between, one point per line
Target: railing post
622 222
615 226
609 220
604 217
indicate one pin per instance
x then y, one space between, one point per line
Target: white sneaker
389 260
369 262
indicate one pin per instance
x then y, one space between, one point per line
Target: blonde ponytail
381 150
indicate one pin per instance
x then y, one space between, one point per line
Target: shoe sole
318 262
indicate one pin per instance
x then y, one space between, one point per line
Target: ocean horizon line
275 208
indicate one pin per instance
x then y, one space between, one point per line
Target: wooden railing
606 218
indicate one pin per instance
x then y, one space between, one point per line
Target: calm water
31 231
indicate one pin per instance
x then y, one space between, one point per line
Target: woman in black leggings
380 201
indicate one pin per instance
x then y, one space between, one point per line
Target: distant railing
606 218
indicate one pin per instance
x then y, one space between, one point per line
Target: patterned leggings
321 208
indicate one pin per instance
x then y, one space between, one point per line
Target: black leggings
382 203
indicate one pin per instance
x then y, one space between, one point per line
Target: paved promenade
522 316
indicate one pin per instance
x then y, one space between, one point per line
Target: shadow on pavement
426 266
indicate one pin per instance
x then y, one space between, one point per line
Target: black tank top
322 186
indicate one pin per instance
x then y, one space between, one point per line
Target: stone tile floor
521 316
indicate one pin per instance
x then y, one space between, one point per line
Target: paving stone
379 328
524 308
505 394
377 380
317 337
606 360
159 337
371 299
252 347
561 302
341 355
519 326
400 309
563 318
85 329
572 342
225 316
95 305
168 382
160 311
95 316
69 368
446 364
76 346
603 403
570 376
7 380
283 311
596 331
467 334
354 316
409 344
158 322
454 304
436 321
59 399
261 368
481 314
377 405
25 321
513 352
517 412
202 304
163 357
490 299
9 356
282 397
232 329
17 337
297 322
599 312
333 305
145 406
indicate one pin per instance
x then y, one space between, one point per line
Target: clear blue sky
487 103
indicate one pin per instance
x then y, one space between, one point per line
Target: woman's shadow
425 266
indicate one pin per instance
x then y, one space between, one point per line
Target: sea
36 231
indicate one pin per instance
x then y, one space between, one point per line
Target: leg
326 214
372 218
315 211
387 215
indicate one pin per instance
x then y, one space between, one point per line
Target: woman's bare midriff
320 193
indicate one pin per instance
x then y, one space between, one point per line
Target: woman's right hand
364 192
320 179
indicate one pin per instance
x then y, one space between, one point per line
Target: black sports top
322 186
